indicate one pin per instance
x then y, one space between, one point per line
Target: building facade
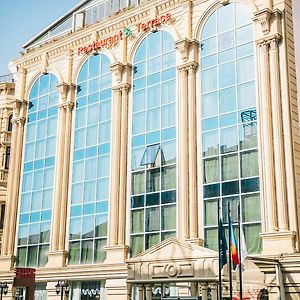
131 121
7 92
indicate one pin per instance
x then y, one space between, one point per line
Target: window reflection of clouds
90 193
153 123
38 173
228 111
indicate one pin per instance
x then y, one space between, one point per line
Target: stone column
11 175
214 291
194 289
204 291
123 165
7 258
266 138
183 183
148 292
115 166
68 106
278 136
192 153
54 257
140 292
16 183
116 250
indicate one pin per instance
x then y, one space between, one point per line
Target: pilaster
115 167
268 163
123 165
58 172
57 255
116 249
182 200
18 121
278 135
192 152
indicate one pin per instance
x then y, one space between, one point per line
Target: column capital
66 105
188 66
121 87
267 42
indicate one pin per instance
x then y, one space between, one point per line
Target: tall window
9 127
229 122
153 158
38 174
91 166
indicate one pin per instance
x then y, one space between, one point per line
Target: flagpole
219 246
240 252
230 263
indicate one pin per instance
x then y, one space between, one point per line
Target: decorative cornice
81 37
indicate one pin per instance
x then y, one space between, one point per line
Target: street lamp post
62 287
3 289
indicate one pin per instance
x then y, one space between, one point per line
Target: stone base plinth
116 254
196 241
275 243
7 263
57 259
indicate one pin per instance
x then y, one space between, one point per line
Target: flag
244 252
233 245
223 245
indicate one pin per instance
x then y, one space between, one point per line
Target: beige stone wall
278 118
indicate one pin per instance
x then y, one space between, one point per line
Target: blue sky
20 20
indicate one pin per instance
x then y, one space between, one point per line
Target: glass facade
91 165
38 173
229 123
153 156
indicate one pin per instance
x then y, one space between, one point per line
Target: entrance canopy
174 261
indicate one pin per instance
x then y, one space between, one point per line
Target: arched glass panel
153 149
91 165
38 174
229 123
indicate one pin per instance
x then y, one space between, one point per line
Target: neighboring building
131 120
7 92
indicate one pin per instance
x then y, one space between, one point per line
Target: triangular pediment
173 260
173 248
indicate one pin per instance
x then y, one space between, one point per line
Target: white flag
244 252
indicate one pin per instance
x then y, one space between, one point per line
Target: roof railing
6 78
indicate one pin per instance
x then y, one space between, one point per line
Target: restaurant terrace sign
114 39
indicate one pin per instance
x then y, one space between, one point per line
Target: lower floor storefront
170 270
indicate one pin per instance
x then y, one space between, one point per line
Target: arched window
153 147
38 173
91 165
9 127
229 123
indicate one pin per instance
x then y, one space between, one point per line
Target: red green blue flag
233 245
